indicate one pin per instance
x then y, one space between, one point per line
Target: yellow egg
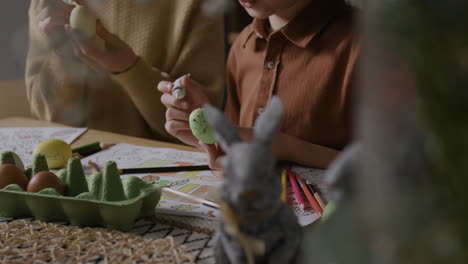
82 19
56 151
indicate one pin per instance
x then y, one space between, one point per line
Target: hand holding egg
179 107
105 51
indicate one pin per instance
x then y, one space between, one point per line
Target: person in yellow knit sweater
69 81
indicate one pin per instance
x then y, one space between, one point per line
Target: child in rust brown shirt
304 51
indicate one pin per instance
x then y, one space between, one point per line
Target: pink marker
295 187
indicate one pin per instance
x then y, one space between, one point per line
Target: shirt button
260 111
270 65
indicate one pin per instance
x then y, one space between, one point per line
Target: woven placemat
38 242
196 224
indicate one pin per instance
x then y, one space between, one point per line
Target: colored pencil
193 198
309 196
91 148
164 169
315 193
93 166
297 191
284 186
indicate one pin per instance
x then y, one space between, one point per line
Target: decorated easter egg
43 180
56 151
10 174
82 19
200 127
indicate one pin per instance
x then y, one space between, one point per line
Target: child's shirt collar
306 25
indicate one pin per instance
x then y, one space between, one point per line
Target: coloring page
202 184
23 140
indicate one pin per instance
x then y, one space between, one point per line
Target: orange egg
43 180
10 174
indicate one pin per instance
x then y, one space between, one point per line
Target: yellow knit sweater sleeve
54 76
171 37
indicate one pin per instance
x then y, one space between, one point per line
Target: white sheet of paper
203 184
23 140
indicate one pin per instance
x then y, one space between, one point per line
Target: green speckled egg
200 127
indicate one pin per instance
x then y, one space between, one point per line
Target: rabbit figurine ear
267 123
225 131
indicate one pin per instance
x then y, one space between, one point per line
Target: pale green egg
83 20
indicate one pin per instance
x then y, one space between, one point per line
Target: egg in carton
100 199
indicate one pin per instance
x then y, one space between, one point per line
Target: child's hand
116 57
178 110
215 155
51 16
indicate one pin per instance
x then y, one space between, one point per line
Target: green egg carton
100 199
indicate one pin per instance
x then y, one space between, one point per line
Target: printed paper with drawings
203 184
308 215
23 140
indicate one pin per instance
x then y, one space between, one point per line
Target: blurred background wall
13 38
13 50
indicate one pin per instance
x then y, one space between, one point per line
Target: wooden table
93 135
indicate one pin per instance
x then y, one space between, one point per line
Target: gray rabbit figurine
256 226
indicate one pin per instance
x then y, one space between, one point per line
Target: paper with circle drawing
23 140
203 184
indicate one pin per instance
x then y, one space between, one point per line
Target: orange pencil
315 193
309 196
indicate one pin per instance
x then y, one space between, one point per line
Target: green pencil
91 148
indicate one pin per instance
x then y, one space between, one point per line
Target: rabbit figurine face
251 183
256 225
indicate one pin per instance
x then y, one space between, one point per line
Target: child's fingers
165 87
218 163
175 126
171 102
194 92
188 82
214 160
176 114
